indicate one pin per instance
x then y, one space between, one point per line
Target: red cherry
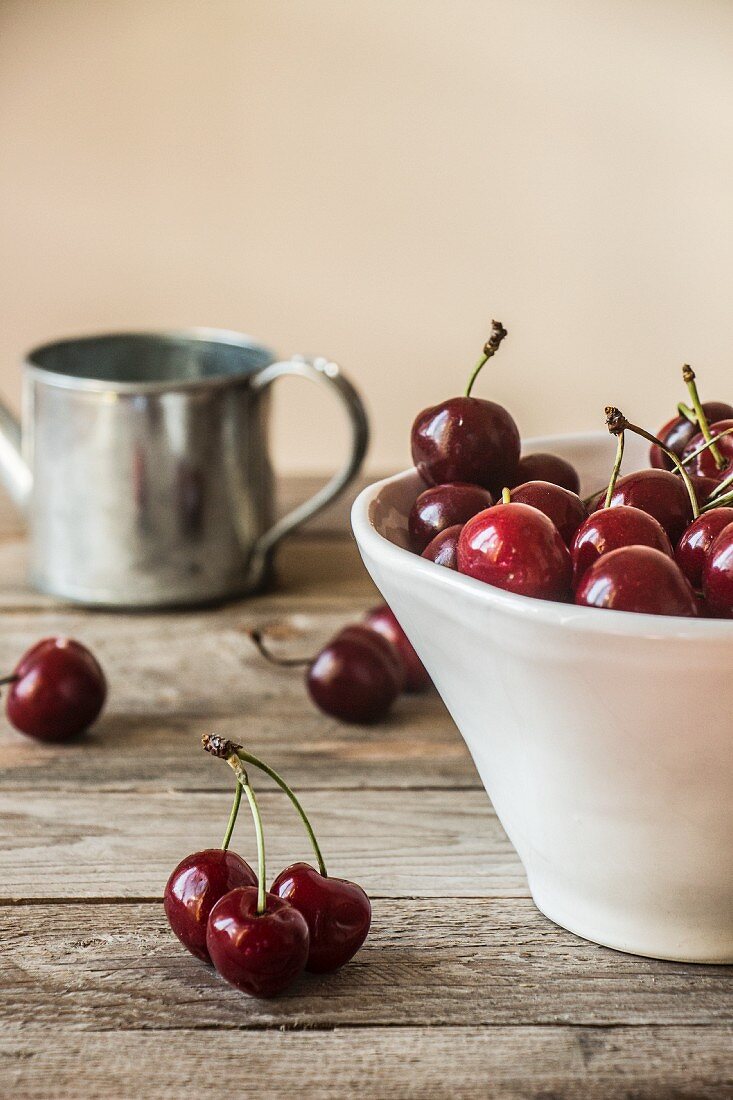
704 464
194 888
57 690
443 506
259 953
383 620
692 549
516 547
637 578
661 494
677 433
338 914
466 439
612 528
564 508
443 549
717 576
357 676
548 467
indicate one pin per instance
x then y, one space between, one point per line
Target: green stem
616 468
8 680
232 816
281 662
498 332
722 488
688 375
506 496
719 502
257 763
706 446
617 422
259 832
687 412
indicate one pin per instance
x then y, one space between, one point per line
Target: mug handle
321 370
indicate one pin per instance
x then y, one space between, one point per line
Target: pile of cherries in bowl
657 540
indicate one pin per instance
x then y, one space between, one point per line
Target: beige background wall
376 180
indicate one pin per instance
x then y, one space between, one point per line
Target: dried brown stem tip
221 747
688 374
616 422
498 332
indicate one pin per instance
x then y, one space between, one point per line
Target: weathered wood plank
409 1063
311 571
431 843
417 747
426 963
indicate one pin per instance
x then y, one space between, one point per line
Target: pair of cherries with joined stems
56 691
357 676
260 941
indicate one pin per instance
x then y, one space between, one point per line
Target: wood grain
514 1063
426 963
429 843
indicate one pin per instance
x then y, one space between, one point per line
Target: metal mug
142 465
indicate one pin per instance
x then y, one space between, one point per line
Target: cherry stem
498 332
259 833
719 502
723 487
616 466
232 817
281 662
506 496
257 763
8 680
688 375
225 749
617 422
704 447
687 412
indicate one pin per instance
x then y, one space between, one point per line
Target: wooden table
462 989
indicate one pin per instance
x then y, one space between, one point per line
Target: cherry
660 493
261 953
704 464
717 577
612 528
466 438
338 914
548 467
691 551
564 508
383 620
443 549
677 433
517 548
56 691
195 886
356 677
443 506
637 578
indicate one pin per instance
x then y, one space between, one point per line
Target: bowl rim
548 612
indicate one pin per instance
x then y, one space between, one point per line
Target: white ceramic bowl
604 739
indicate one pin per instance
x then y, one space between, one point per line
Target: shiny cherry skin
704 465
259 953
443 549
692 549
338 914
548 467
357 676
58 690
466 439
517 548
677 433
382 619
564 508
611 528
194 888
637 578
443 506
717 575
661 494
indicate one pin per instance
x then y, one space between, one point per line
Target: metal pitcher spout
14 472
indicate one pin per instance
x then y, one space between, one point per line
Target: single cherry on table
468 438
194 888
57 690
383 619
442 506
